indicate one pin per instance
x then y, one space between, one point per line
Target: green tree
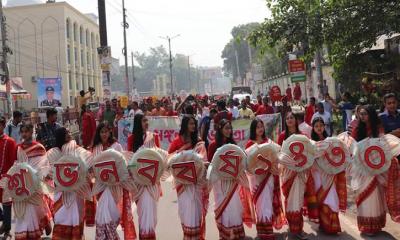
239 45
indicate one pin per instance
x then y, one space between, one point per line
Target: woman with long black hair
68 219
192 198
229 209
140 136
147 201
265 189
295 188
371 189
108 214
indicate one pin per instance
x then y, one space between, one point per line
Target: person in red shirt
8 155
289 93
88 127
223 113
297 93
158 110
265 108
170 111
141 136
310 110
266 190
258 104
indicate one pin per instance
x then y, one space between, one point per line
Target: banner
125 127
168 128
49 92
241 129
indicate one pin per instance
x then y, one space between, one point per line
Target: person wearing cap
50 101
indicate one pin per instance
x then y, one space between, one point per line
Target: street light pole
170 60
125 25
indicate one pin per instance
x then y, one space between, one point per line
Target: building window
82 58
70 79
83 82
69 54
71 100
87 38
88 60
77 82
90 81
76 55
93 62
67 29
92 38
75 32
81 36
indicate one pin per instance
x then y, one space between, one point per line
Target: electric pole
5 78
170 60
125 25
190 82
133 75
102 22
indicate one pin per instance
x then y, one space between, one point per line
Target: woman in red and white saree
264 182
375 173
227 177
330 177
193 198
68 162
37 217
111 213
147 199
298 185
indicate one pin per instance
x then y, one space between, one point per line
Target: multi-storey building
50 40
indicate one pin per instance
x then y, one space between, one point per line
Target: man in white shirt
135 110
233 109
12 128
324 115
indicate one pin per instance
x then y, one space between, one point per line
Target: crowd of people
314 193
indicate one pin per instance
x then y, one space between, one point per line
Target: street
169 225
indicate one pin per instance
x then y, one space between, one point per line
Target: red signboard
276 94
296 66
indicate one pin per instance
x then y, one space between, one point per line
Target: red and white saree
36 217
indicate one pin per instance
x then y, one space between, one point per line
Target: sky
204 26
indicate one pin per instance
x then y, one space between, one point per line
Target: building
161 85
209 77
50 40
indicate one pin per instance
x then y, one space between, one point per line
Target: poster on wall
49 92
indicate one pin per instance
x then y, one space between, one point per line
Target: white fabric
147 211
264 208
375 204
332 199
295 199
306 129
107 209
232 215
190 206
30 221
69 216
235 112
317 178
132 112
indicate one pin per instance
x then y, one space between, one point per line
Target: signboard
276 95
297 70
49 92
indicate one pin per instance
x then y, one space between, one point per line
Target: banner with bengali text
167 129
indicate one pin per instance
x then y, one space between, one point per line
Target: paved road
169 227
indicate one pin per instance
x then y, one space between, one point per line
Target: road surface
169 227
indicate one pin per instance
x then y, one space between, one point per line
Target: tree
240 46
345 28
